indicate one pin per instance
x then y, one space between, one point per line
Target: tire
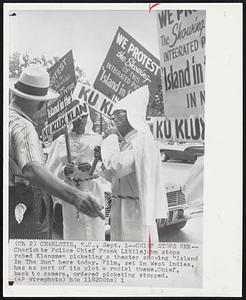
179 225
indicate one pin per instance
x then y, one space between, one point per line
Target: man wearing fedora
30 181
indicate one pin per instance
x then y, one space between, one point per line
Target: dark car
187 152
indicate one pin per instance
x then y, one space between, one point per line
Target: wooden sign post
69 156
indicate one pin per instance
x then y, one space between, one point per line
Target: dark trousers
37 221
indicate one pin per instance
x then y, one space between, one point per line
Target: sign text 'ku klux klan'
85 96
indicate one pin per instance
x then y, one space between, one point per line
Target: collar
18 109
130 135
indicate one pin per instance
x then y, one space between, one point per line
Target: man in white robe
82 139
134 169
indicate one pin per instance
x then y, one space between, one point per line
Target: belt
78 180
125 197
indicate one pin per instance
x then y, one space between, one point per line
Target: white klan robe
134 169
76 225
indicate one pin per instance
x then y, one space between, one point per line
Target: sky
88 33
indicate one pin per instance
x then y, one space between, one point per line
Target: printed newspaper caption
40 262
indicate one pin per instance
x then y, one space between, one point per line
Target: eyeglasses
118 113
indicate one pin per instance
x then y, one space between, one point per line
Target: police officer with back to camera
30 181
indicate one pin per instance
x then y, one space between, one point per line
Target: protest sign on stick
62 80
127 66
64 120
87 95
63 110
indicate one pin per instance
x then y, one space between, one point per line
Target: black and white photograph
106 145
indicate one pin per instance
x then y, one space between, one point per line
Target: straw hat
33 84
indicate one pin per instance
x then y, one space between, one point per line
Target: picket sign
182 43
86 94
58 111
180 129
63 121
128 65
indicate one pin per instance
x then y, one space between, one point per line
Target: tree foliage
19 61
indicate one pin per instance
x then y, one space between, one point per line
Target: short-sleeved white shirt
24 144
